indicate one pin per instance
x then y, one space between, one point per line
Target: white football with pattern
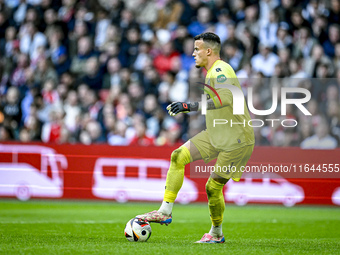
137 230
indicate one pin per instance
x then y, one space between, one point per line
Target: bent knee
180 157
175 155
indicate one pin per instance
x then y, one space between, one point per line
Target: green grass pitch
68 227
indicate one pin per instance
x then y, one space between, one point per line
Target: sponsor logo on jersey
221 78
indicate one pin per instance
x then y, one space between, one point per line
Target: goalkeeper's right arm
180 107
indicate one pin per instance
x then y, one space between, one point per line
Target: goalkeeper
231 144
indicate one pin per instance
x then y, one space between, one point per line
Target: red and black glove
180 107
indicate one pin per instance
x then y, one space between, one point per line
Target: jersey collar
215 63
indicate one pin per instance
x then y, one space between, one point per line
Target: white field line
76 222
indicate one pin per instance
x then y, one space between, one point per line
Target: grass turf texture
54 227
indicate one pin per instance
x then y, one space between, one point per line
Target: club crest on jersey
218 69
221 78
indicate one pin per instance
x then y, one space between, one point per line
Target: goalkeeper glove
178 107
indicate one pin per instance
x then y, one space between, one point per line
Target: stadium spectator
6 133
233 55
322 138
179 36
169 15
10 43
284 39
72 111
297 20
80 30
19 12
336 60
189 11
102 23
51 21
126 21
163 61
334 12
238 8
31 39
317 57
129 47
33 16
151 81
250 21
28 92
69 80
24 136
333 114
93 75
136 94
94 132
232 36
333 39
51 130
268 30
143 58
146 13
66 13
117 137
58 52
49 93
266 9
203 22
260 139
221 27
84 52
151 115
92 105
112 77
33 125
304 44
296 69
173 90
319 28
12 110
249 44
114 8
265 61
44 72
187 61
140 137
18 77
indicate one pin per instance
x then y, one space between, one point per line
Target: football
137 230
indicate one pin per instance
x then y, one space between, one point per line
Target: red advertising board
138 173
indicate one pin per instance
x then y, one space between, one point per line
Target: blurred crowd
103 71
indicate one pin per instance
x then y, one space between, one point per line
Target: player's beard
197 65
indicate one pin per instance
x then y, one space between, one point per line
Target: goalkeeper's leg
214 189
179 158
174 180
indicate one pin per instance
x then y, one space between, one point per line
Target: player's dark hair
208 37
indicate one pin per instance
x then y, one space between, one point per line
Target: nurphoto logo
238 103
